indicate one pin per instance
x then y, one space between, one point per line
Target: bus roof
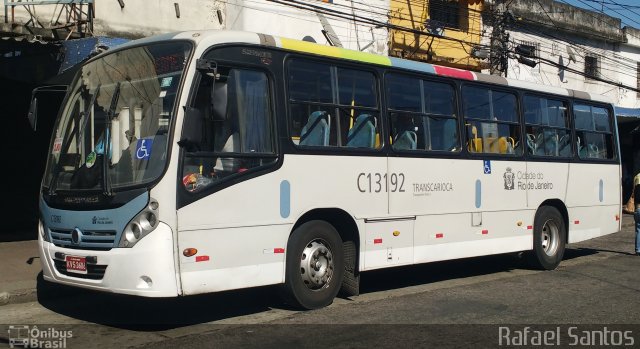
211 37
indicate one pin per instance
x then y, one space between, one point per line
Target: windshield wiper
53 184
87 110
106 180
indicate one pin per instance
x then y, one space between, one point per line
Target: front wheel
549 237
314 266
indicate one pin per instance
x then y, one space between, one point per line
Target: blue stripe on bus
285 199
601 191
406 64
478 193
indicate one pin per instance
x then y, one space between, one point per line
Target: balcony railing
75 16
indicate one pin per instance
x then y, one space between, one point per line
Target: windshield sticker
91 159
163 94
57 145
143 148
166 82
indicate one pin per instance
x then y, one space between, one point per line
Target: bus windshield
120 105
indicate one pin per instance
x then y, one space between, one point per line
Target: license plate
76 265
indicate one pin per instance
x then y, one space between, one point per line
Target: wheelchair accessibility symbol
487 166
143 148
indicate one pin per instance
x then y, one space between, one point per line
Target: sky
627 10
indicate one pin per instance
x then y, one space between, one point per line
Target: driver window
237 128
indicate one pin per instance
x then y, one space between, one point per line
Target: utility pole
498 57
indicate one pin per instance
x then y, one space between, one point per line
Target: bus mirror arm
208 67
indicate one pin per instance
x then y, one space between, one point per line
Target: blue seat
363 132
407 140
531 143
551 143
316 131
564 145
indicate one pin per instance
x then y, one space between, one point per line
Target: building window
591 67
529 48
445 12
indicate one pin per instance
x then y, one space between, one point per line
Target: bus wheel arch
347 230
550 235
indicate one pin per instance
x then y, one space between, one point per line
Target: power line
581 1
379 24
361 19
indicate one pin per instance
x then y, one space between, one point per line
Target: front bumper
146 269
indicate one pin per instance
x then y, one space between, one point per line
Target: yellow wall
414 13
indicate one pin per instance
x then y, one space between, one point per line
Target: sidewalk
19 273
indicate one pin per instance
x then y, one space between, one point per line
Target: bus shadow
400 277
572 253
154 314
581 252
159 314
387 279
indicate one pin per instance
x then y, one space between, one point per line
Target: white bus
214 160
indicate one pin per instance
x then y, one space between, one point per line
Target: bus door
226 224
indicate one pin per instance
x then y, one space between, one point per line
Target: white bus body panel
240 251
593 200
473 212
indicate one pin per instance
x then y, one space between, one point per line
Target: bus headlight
42 231
141 225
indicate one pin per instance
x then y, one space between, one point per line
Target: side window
594 135
491 121
547 127
332 106
235 123
422 114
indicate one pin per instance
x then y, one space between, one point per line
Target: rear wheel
314 266
549 237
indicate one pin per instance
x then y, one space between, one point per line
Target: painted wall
555 50
416 15
565 35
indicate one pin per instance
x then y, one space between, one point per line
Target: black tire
307 285
549 239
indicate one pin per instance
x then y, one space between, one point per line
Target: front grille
90 240
94 271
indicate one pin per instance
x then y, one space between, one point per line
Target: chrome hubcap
316 264
550 238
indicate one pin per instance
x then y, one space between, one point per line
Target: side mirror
33 112
49 95
191 129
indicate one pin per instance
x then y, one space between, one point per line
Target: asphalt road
592 296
